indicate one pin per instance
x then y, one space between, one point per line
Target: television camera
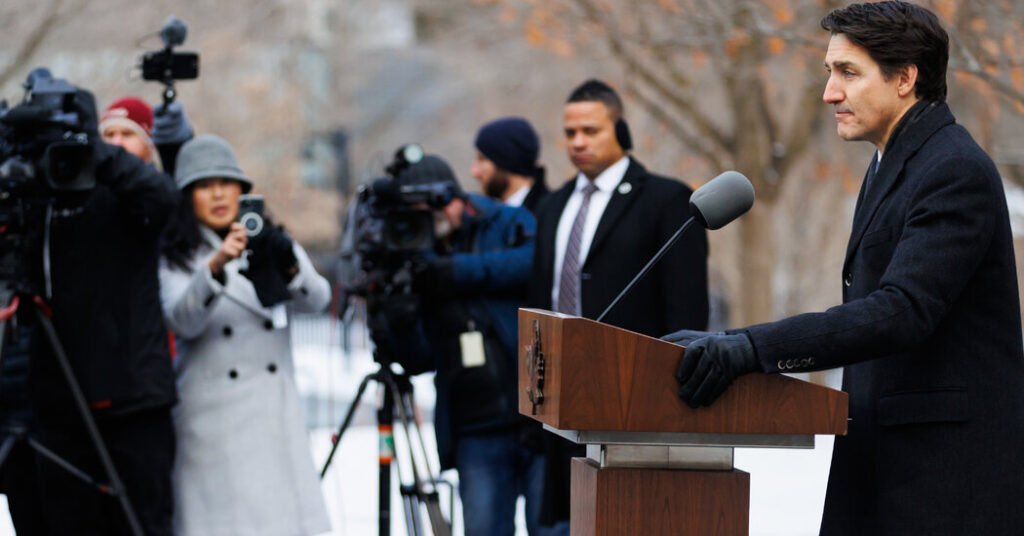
47 146
389 234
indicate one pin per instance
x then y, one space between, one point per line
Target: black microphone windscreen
723 199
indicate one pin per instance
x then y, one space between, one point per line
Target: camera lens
252 223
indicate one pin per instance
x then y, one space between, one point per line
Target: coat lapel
623 195
876 188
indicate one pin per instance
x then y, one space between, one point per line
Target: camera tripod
19 432
398 396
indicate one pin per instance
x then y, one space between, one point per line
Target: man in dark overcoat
595 233
929 331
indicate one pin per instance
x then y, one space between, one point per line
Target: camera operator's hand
436 277
232 248
170 124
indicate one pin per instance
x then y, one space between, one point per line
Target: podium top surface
590 376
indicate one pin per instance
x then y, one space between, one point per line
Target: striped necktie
569 283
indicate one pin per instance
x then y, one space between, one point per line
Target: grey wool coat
243 464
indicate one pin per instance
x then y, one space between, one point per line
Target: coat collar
917 126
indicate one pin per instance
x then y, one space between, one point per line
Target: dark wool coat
103 255
930 337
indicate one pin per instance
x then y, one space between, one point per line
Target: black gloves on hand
711 363
436 278
272 264
684 337
170 125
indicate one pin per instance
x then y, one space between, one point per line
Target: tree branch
686 107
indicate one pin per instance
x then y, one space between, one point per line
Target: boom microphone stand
18 432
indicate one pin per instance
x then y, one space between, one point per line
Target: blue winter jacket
477 288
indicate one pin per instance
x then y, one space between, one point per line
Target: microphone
723 199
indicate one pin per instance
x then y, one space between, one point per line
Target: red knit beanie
133 109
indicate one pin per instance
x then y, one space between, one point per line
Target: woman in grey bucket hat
243 461
208 156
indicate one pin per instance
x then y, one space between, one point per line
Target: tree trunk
755 302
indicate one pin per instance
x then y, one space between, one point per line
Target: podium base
669 502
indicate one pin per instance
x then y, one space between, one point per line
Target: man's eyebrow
839 65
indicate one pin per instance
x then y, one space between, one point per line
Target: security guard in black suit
596 233
930 329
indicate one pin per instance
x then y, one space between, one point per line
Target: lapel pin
625 188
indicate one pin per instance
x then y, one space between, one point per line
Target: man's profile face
127 138
493 181
867 106
590 137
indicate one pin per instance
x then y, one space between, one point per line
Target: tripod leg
430 499
345 423
90 424
385 423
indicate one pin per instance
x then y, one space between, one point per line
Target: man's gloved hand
684 337
436 278
710 364
170 124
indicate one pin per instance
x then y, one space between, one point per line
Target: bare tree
40 27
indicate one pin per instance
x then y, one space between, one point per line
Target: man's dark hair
897 34
596 90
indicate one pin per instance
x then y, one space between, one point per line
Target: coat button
848 279
268 325
272 368
227 331
232 374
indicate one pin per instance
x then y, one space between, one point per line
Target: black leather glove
170 124
280 248
710 364
684 337
272 264
436 278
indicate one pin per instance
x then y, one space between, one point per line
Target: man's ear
907 80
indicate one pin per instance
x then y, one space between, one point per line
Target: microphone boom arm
650 264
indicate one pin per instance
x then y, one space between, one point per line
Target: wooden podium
655 466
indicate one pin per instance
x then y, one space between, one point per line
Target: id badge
472 343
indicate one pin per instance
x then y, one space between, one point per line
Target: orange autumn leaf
700 58
776 45
734 44
562 48
784 14
979 24
671 6
990 46
509 15
946 9
534 35
1017 77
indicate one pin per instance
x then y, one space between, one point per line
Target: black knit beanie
511 143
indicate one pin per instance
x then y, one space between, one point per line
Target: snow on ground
787 486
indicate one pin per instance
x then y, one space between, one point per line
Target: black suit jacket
538 192
643 213
930 334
